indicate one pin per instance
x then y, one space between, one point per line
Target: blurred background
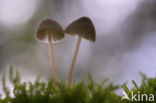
125 44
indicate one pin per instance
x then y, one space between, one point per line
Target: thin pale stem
52 60
73 62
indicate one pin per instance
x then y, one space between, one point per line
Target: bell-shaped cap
82 27
49 31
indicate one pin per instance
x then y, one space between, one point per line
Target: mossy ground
81 92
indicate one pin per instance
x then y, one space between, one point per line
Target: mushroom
83 28
49 31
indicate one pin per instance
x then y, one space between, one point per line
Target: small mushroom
49 31
83 28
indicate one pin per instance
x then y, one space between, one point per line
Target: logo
137 97
125 96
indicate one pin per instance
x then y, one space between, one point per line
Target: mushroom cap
82 27
49 31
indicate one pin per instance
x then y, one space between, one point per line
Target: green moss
81 92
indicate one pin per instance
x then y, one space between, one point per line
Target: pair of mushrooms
50 31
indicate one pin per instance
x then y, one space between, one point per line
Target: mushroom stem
52 58
52 61
73 62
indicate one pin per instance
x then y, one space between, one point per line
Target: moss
81 92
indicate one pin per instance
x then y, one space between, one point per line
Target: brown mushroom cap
83 27
49 31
